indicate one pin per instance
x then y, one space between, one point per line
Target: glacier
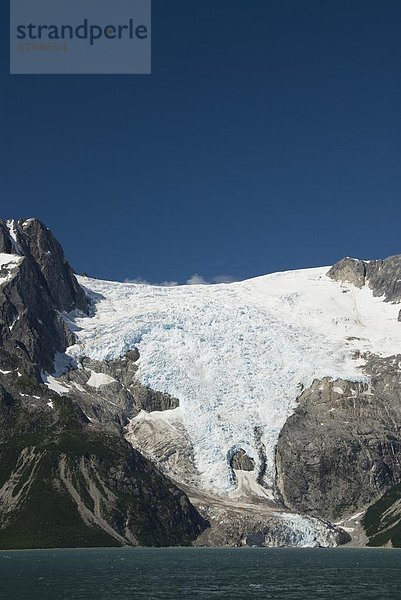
237 355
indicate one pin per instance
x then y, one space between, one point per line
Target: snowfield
8 267
237 355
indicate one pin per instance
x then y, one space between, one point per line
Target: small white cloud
197 279
141 281
138 280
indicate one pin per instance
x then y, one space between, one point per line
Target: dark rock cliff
341 449
31 329
66 478
33 240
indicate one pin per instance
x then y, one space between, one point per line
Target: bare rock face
240 461
111 396
166 443
341 449
6 246
31 329
41 247
349 270
109 392
382 276
33 240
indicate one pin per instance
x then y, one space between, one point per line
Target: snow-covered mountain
263 412
236 356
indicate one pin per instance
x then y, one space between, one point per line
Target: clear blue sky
267 138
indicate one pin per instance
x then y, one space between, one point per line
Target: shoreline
194 548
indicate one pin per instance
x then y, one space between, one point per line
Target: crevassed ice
236 355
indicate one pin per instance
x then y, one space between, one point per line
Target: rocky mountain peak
382 276
34 293
32 239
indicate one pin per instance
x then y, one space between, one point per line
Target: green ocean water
181 573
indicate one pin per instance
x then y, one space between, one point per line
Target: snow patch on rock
9 264
97 380
52 383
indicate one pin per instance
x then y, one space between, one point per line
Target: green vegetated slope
382 521
63 483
